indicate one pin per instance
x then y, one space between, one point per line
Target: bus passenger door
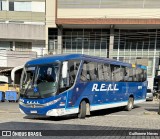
68 80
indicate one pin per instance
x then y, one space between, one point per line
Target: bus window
116 73
144 75
122 72
28 75
134 75
92 70
89 71
73 66
139 74
126 74
129 74
84 72
100 72
72 69
104 72
39 81
107 72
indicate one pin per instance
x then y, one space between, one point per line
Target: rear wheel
130 104
82 110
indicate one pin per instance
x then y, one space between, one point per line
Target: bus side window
84 72
72 70
116 76
134 75
130 74
104 72
139 74
89 71
107 72
92 70
144 72
100 72
144 75
126 74
122 72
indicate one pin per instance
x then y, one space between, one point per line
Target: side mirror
64 69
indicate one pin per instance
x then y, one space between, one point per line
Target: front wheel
82 110
130 104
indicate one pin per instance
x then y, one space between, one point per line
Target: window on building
23 46
11 6
26 6
22 6
3 5
5 45
0 5
86 41
37 6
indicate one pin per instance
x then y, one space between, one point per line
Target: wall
15 58
39 47
109 13
50 17
21 31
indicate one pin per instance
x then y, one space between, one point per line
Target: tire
130 104
82 110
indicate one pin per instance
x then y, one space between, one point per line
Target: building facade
22 32
124 30
22 29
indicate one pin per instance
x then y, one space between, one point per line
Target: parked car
149 95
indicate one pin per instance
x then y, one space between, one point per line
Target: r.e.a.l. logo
104 87
33 102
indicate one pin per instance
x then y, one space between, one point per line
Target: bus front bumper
46 112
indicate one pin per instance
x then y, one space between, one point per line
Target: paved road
143 116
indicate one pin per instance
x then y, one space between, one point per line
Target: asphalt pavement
116 122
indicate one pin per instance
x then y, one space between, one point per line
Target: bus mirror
64 69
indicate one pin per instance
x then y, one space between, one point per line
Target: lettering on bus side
104 87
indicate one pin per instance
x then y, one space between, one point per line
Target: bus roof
62 57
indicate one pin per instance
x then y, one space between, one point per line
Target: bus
79 84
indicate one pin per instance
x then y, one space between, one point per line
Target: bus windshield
40 81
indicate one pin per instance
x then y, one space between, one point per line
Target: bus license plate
33 111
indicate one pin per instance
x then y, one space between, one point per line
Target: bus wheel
82 110
130 104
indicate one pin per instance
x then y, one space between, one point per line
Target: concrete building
123 30
22 25
22 32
